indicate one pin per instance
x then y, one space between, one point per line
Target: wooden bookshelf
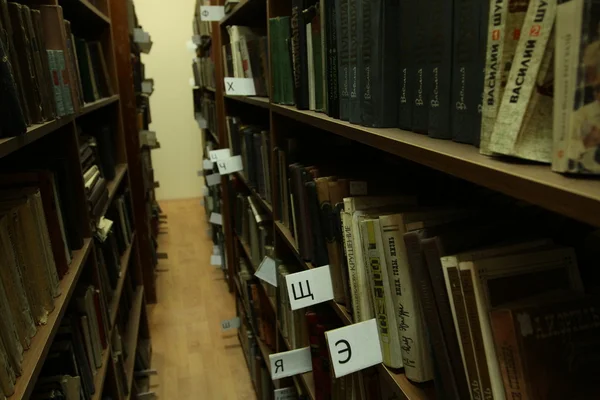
131 337
124 263
113 185
263 202
254 100
307 378
33 358
101 373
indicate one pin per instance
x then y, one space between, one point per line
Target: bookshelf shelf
101 373
33 359
83 7
124 263
255 101
89 107
210 89
113 185
242 11
133 327
264 203
535 183
412 391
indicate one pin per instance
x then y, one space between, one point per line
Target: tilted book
576 126
524 125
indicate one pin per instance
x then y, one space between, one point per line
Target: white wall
176 163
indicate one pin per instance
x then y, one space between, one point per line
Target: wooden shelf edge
124 263
113 185
89 107
33 359
257 101
133 327
101 373
535 183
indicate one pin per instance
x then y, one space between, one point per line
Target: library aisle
194 359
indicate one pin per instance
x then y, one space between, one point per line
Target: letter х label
353 348
290 363
310 287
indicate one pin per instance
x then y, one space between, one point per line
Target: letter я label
310 287
354 348
290 363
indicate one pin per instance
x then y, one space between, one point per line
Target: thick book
287 79
524 124
317 232
354 37
299 55
36 17
549 349
343 56
331 62
9 334
421 80
85 71
408 12
13 121
576 147
505 21
317 59
439 72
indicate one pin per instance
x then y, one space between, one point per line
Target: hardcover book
299 56
420 78
406 65
343 38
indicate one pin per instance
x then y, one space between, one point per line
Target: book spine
465 71
64 82
484 10
470 301
420 74
333 100
351 262
286 62
509 355
365 62
245 57
318 58
343 39
275 85
569 24
354 33
440 69
406 64
299 55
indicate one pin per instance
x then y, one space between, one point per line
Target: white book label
310 287
290 363
216 218
239 87
205 191
192 82
229 324
355 347
207 164
216 250
202 124
288 393
212 13
197 39
221 154
230 165
213 179
267 271
215 260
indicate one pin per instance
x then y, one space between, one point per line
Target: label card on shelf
197 39
216 250
288 393
239 87
230 165
207 164
230 324
213 179
212 13
215 259
290 363
267 271
202 124
216 218
192 82
205 191
310 287
355 347
220 154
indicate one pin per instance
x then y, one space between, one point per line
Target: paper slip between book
288 393
213 179
202 124
192 82
230 165
229 324
212 13
220 154
215 260
239 87
216 218
216 250
353 348
267 271
310 287
197 39
290 363
205 191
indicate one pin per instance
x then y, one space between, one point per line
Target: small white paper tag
197 39
267 271
147 87
239 87
229 324
216 250
207 164
355 347
221 154
230 165
290 363
216 218
310 287
192 82
202 201
288 393
215 259
358 188
213 179
212 13
205 191
202 124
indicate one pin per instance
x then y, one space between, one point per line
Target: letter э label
353 348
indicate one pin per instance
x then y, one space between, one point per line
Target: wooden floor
194 359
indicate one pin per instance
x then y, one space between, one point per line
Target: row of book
48 72
253 143
205 111
204 71
420 66
246 56
253 226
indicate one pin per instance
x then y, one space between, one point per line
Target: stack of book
94 81
246 56
481 83
262 320
253 227
96 173
204 71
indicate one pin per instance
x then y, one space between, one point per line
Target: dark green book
276 79
317 50
285 63
85 70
